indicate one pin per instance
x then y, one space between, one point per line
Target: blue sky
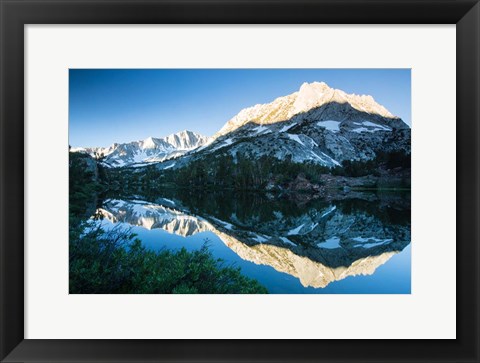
122 105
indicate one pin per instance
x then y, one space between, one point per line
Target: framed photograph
239 181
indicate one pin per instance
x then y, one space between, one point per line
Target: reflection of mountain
152 216
310 273
318 243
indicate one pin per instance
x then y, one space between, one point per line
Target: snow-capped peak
148 150
149 143
309 96
185 139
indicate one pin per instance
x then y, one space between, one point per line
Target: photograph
239 181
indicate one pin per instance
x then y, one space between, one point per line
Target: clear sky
122 105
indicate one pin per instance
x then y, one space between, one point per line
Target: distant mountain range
150 150
317 123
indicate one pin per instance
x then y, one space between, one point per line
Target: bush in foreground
111 262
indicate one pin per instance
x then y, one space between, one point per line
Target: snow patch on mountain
295 230
286 128
328 211
370 127
333 126
296 138
331 243
261 129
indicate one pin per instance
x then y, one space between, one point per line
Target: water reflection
315 241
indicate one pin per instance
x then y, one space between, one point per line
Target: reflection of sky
393 277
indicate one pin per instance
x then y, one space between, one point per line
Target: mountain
150 150
310 96
317 123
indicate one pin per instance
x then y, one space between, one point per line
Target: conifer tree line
224 171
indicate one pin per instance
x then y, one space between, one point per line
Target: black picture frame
15 14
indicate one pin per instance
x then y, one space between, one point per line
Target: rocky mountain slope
317 124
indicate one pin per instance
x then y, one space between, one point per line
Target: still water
291 244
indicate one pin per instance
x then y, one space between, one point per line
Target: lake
357 243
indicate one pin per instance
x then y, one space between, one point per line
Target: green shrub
111 262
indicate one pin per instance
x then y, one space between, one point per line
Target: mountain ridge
322 125
149 150
310 95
